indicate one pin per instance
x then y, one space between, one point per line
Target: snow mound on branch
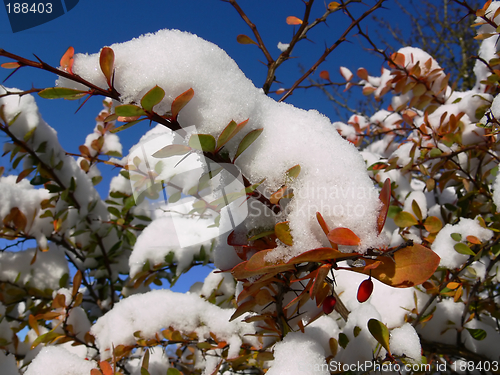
298 354
333 178
151 312
45 272
55 360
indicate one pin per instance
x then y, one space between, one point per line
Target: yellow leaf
333 5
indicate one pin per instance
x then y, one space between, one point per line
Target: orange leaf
257 265
320 254
324 75
432 224
243 308
362 73
411 266
292 20
343 236
322 223
398 60
474 240
320 279
106 368
67 59
107 63
276 196
325 228
243 39
95 371
181 101
11 65
385 198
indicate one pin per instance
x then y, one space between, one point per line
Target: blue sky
93 24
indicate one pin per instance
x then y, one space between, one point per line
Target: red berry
365 290
329 304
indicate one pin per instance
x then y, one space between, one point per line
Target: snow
222 94
444 244
298 354
55 360
8 364
44 273
405 341
151 312
333 181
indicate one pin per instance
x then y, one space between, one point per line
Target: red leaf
324 75
181 101
292 20
343 236
107 63
385 198
67 59
362 73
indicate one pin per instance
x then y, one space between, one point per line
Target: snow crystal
55 360
222 94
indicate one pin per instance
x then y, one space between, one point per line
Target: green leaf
380 332
456 236
181 101
293 173
435 152
229 132
203 142
107 62
405 219
61 93
416 210
152 98
114 211
126 126
145 361
243 39
247 141
343 340
477 334
129 110
173 371
462 248
171 150
175 197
